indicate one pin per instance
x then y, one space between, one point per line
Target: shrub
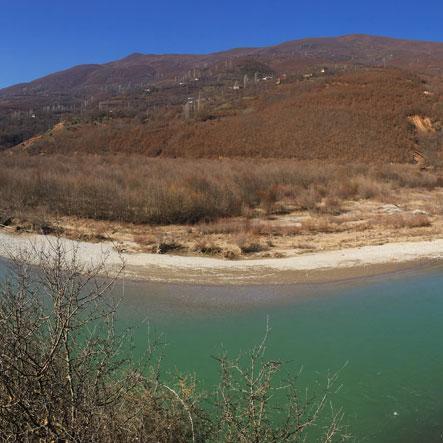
249 245
399 221
206 247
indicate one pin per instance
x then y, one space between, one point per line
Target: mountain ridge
346 42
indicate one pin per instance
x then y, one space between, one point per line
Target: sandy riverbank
327 265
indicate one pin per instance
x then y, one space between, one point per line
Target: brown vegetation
399 221
359 116
166 191
228 208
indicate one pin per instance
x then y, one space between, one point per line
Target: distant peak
368 38
359 37
134 56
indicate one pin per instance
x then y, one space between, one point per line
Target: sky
38 37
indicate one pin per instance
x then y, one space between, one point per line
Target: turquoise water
389 331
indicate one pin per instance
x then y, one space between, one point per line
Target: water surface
389 329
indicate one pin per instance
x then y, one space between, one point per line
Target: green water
389 329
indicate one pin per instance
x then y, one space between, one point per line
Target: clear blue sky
38 37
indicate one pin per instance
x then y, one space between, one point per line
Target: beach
318 266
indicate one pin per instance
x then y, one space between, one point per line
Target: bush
399 221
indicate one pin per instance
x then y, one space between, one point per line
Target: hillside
345 98
365 115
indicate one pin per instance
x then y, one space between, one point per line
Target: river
387 331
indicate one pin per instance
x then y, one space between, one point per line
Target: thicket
137 189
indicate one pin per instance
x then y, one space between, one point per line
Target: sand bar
316 266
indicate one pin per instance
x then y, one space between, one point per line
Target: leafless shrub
321 225
166 191
331 205
368 187
225 226
304 245
269 198
231 252
65 376
399 221
145 240
249 396
407 176
309 199
250 244
207 247
165 246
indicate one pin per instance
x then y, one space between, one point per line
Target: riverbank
308 267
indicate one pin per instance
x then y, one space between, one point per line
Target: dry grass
203 246
319 225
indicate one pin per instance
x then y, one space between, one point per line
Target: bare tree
63 374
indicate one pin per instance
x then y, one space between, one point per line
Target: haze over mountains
335 97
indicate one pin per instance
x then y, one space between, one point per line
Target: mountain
346 94
426 57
